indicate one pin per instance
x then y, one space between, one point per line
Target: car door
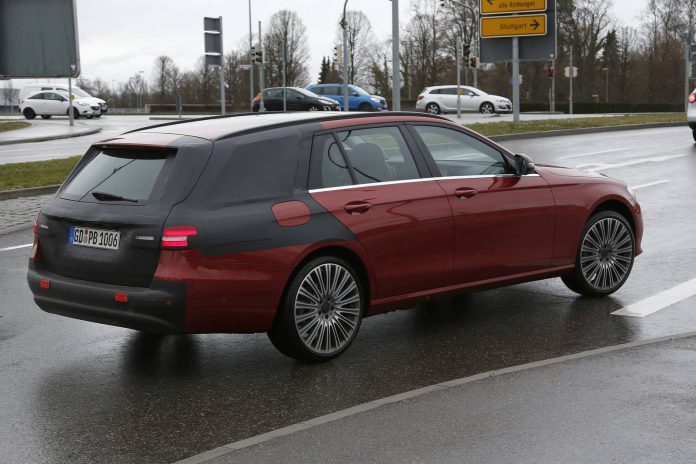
470 100
334 92
504 223
272 100
448 98
370 180
295 100
56 104
37 102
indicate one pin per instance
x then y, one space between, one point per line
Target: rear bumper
159 308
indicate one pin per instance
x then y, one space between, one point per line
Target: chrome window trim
425 179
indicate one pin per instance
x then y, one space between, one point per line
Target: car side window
38 96
294 95
332 166
449 91
458 154
378 154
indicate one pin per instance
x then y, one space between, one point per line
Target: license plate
95 238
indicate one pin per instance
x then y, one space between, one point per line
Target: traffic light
252 53
338 54
552 72
259 56
473 62
466 51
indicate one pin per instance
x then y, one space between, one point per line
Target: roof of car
219 127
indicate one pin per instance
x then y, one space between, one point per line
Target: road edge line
371 405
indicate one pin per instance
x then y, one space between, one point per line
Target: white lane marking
650 184
592 153
660 301
17 247
230 448
603 166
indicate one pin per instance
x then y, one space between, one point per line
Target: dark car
296 99
302 224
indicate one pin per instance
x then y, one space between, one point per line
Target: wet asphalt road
72 391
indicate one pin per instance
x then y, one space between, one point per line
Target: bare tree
163 69
286 29
361 44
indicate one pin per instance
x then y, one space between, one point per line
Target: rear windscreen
117 176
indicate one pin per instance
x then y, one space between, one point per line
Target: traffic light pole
222 72
552 105
261 105
396 64
571 82
344 26
515 79
251 65
459 77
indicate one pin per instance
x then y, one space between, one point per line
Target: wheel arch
616 206
486 102
344 253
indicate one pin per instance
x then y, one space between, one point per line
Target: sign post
212 31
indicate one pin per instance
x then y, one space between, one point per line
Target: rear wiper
102 196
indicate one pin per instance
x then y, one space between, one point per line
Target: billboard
38 38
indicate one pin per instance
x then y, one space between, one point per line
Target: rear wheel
487 108
694 134
605 256
29 113
313 108
321 313
432 108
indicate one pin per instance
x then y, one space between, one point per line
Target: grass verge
507 128
36 173
12 125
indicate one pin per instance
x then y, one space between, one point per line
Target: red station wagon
300 225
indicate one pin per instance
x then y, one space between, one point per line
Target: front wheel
75 112
321 313
694 134
487 108
605 256
365 107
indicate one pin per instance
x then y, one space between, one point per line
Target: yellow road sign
513 26
511 6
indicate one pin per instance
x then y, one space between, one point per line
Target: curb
584 130
51 137
28 192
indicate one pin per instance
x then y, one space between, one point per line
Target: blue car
358 100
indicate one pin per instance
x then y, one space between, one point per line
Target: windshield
79 92
358 90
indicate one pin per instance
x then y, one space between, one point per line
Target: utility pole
515 79
396 63
552 106
607 71
251 65
222 72
458 54
344 26
571 81
70 105
261 64
285 61
687 71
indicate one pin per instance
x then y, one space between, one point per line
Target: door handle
357 207
464 193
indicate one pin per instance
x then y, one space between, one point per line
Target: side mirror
523 165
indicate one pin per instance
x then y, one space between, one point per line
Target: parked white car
55 103
29 89
443 99
691 113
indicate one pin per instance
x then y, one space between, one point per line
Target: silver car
691 113
443 99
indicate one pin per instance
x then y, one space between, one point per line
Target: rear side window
117 176
38 96
251 167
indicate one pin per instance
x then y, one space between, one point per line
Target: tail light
35 249
177 237
692 98
420 97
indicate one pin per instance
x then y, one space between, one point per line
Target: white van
30 89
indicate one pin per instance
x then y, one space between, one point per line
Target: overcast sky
118 38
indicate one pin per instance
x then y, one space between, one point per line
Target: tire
98 116
313 108
433 108
29 113
605 256
365 107
487 108
309 326
75 112
694 135
45 116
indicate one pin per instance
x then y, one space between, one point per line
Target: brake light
692 98
45 284
420 97
121 297
35 249
177 237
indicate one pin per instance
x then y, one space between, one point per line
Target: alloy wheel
327 308
432 108
487 108
606 254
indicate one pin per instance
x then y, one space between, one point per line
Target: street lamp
607 71
344 26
